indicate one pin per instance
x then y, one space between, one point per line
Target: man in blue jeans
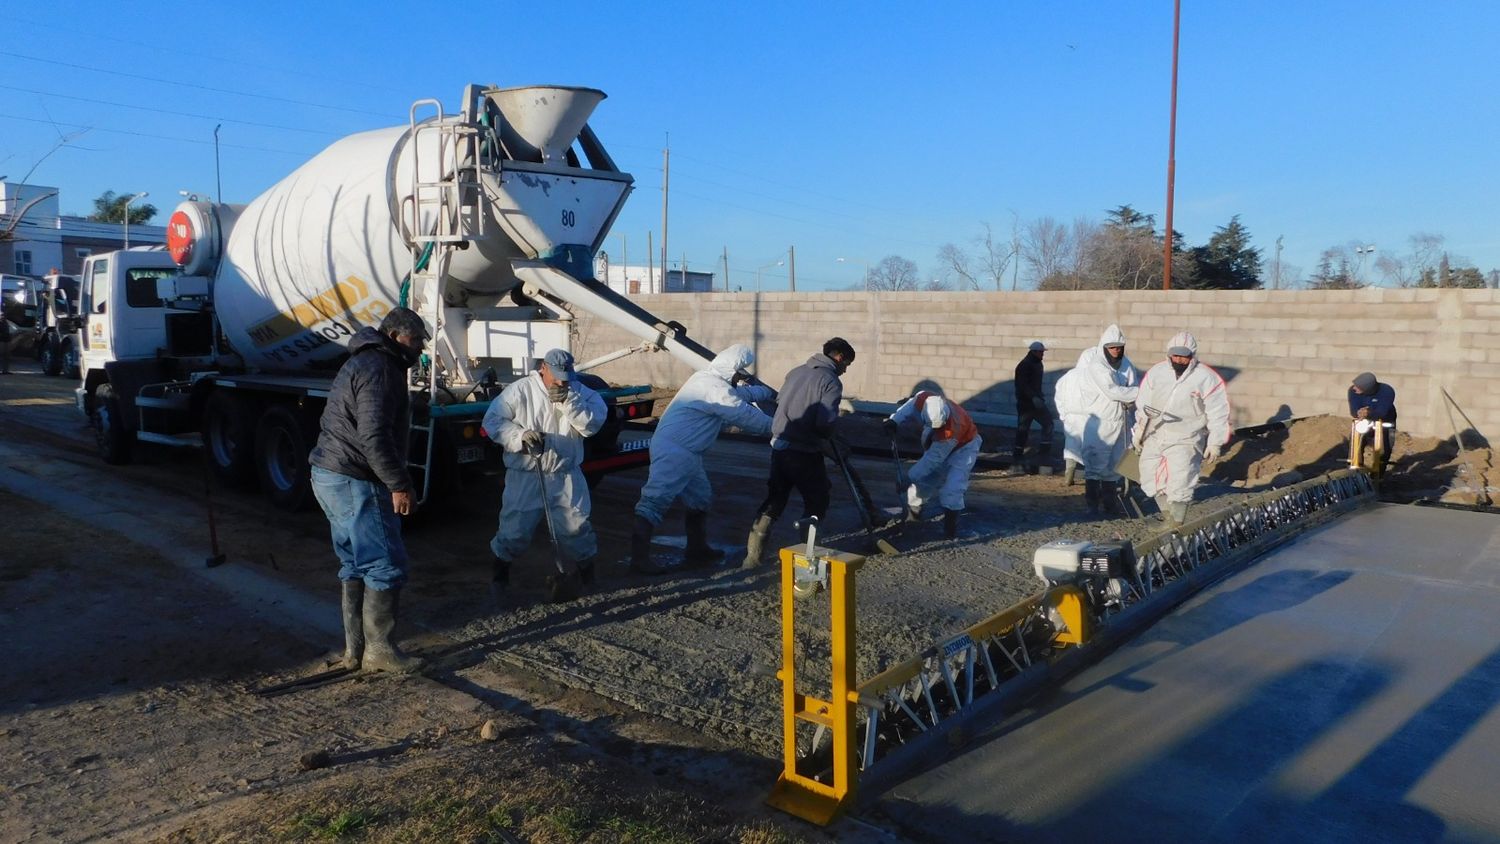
359 477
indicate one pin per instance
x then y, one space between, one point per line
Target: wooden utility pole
1166 275
791 264
726 269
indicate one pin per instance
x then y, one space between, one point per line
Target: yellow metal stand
1377 450
795 793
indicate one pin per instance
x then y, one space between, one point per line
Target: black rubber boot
640 548
586 572
1018 461
950 524
700 555
499 581
354 625
756 544
1110 495
562 587
1091 495
381 608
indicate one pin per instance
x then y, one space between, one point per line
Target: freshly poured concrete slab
1344 688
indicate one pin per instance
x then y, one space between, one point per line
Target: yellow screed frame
1377 450
820 802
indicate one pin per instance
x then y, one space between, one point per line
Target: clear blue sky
845 129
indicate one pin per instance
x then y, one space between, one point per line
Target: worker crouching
950 443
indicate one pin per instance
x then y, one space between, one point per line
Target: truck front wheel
110 436
282 442
229 438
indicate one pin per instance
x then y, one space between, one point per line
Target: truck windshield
140 286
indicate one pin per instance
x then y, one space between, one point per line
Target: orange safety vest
959 427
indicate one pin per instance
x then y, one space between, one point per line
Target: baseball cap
1036 346
561 364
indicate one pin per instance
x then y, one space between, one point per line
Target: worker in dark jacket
1031 406
359 477
801 431
1376 402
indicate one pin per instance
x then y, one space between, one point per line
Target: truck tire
229 438
51 355
72 367
283 439
110 435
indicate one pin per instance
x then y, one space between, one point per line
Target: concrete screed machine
485 222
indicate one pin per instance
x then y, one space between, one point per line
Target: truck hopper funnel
542 121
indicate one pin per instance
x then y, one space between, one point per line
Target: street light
141 195
780 263
1359 265
865 279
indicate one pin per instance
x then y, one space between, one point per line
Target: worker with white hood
541 422
950 442
1184 422
1106 385
711 399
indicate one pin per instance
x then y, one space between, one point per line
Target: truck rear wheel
229 438
72 367
51 355
283 440
110 436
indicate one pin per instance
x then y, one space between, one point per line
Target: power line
156 137
169 111
142 77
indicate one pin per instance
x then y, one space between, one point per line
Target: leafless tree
1045 249
955 263
893 273
987 263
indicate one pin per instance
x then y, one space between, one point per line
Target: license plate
628 446
470 453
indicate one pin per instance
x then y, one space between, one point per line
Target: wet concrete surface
1343 688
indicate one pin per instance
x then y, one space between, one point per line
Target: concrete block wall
1284 353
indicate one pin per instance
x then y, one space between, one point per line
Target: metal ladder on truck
444 212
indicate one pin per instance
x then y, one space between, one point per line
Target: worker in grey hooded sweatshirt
711 399
1183 423
1106 387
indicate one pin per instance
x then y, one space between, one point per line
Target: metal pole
1276 281
1166 278
650 266
726 269
666 180
791 254
218 181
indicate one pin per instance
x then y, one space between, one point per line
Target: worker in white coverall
1107 388
950 443
1183 423
541 422
1070 409
711 399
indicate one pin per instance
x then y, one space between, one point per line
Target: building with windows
36 238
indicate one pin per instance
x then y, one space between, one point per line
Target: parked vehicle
58 342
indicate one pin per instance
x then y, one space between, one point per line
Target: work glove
558 392
532 442
1211 454
890 425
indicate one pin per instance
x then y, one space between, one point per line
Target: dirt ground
648 710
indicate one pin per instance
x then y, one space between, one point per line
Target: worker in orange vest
950 443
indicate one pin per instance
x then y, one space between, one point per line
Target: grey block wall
1284 353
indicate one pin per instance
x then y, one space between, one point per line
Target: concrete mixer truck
485 221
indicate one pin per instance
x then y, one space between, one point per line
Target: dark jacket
1381 402
807 406
368 416
1028 382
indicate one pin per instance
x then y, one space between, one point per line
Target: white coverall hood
1112 336
1183 340
731 360
936 411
